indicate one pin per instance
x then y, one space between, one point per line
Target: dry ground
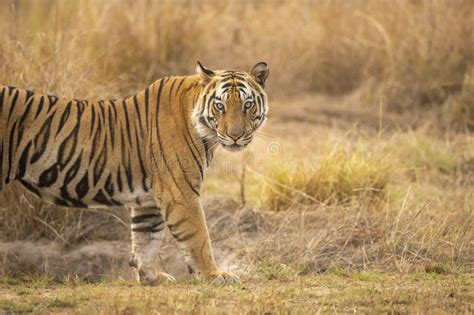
401 254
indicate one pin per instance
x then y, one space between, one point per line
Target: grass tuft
338 177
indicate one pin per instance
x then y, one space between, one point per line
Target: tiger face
232 106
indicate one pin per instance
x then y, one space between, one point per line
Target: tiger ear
205 73
260 73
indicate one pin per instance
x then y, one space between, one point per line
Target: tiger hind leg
147 233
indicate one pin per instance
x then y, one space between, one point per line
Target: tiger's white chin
233 147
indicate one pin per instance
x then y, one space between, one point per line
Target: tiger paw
224 278
151 278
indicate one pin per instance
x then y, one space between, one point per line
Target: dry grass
350 292
25 217
335 178
415 55
405 204
394 196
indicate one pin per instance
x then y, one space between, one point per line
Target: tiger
148 152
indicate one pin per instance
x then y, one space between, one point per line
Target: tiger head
232 105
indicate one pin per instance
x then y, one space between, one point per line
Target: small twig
242 185
53 230
108 213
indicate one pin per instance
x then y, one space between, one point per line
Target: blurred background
367 158
413 54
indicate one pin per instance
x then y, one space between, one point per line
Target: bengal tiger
148 152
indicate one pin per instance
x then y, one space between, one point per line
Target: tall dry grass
408 53
414 57
338 177
402 203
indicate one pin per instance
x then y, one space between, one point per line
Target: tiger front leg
147 232
187 224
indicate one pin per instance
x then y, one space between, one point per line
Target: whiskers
264 136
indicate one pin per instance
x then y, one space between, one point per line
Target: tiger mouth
233 147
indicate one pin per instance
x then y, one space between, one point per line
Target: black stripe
92 119
119 180
40 106
188 181
23 161
150 229
11 149
99 165
13 103
49 176
95 142
170 93
69 143
114 107
64 117
182 238
146 105
102 112
208 153
83 186
129 173
194 157
109 185
52 101
239 77
30 187
127 121
29 94
204 121
192 86
11 89
72 172
1 102
177 224
21 127
204 103
68 199
179 85
111 128
142 163
61 202
143 217
137 109
126 163
100 198
41 140
226 78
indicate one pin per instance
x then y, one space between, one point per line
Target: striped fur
148 151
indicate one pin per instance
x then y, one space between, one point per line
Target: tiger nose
235 135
